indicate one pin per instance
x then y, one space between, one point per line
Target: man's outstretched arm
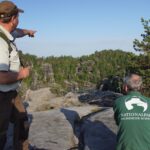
18 33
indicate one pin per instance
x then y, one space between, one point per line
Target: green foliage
57 89
144 45
66 73
141 64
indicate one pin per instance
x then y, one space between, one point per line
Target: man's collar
9 36
134 93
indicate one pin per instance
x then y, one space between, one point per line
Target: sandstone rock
76 128
38 100
70 126
56 129
43 99
50 130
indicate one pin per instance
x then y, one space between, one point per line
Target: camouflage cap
8 9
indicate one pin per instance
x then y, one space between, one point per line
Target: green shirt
132 115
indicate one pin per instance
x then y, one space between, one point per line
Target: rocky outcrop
101 98
48 73
98 131
43 77
43 99
70 122
51 130
74 128
38 100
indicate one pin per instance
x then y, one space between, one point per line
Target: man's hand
30 33
23 73
8 77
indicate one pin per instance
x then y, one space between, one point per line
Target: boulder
57 129
38 100
51 130
83 128
43 99
73 128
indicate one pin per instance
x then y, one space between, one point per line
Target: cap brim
20 10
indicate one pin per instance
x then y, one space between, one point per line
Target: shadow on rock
73 118
95 135
35 148
91 134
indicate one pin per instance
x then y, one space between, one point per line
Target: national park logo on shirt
130 104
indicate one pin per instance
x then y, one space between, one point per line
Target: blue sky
80 27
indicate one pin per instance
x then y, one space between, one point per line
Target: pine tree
144 45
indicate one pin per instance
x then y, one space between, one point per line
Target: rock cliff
70 125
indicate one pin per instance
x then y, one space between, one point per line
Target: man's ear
125 88
13 18
13 22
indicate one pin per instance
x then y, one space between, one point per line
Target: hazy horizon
76 28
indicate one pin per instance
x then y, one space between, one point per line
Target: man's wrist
20 76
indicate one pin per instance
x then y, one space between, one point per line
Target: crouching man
132 115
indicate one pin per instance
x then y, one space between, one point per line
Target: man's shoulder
146 98
121 98
3 43
119 101
140 95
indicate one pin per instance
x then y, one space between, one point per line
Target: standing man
132 115
10 76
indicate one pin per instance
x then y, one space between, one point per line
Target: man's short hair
133 82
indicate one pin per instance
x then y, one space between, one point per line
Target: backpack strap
3 36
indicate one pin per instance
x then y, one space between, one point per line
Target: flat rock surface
73 128
70 126
50 130
98 131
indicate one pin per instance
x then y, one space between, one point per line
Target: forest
107 67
